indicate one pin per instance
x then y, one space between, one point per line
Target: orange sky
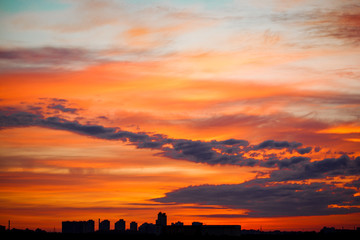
84 94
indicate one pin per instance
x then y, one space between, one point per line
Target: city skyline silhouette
160 229
90 226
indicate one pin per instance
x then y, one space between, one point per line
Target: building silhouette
159 228
133 226
120 225
150 228
162 219
182 230
202 230
178 223
78 226
104 225
196 223
221 230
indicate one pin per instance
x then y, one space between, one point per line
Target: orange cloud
342 129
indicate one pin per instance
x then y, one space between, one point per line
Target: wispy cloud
339 21
46 58
342 24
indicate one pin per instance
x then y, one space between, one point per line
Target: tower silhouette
133 226
162 219
104 225
120 225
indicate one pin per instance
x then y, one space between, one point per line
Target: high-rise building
133 226
162 219
120 225
104 225
89 226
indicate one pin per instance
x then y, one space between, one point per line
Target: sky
221 112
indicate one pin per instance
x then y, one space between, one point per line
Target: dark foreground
24 235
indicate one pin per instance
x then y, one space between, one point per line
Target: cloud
46 56
230 152
74 126
266 197
355 183
48 105
304 150
62 108
24 119
235 142
43 55
204 152
329 167
287 163
341 22
18 119
196 151
57 100
275 200
293 162
271 144
190 150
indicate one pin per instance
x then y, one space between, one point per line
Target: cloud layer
230 152
276 200
266 197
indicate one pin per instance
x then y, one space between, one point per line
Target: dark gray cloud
74 126
197 151
304 150
287 163
329 167
317 149
103 117
265 197
57 100
272 144
24 119
355 183
293 162
203 152
230 152
18 119
235 142
275 200
62 108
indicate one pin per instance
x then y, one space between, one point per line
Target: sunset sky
222 112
